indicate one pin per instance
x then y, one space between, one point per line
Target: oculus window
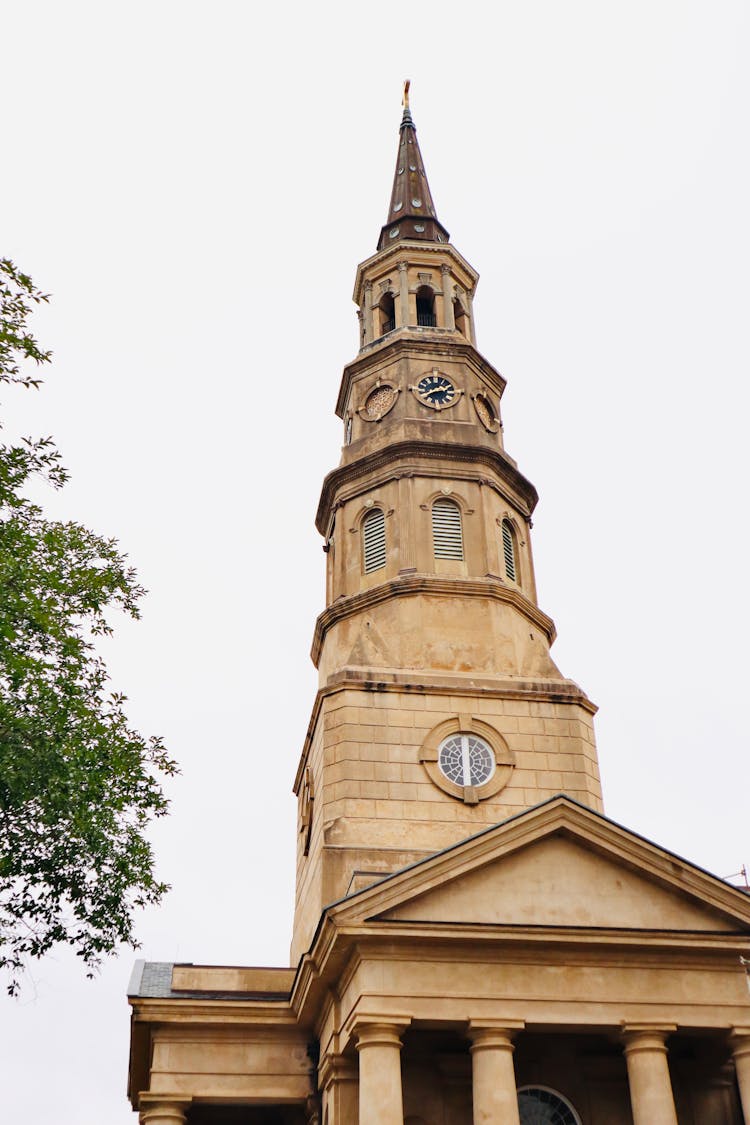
466 759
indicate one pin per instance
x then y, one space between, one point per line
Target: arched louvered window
447 536
509 551
373 540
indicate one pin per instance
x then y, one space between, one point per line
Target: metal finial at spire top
411 214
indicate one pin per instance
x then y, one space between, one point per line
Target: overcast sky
195 184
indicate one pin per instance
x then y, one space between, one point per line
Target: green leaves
78 786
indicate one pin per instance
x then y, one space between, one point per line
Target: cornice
434 585
559 691
277 1017
407 250
393 457
591 942
436 342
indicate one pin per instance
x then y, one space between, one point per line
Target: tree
77 786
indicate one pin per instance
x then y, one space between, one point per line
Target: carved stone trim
424 451
466 724
434 585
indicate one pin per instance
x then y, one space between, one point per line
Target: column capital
646 1036
497 1034
402 266
739 1041
381 1031
162 1109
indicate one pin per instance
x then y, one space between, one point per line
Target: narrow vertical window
373 540
509 551
460 319
387 314
426 307
447 535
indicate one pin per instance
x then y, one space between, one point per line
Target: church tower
440 709
474 941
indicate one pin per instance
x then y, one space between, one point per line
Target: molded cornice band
409 586
391 455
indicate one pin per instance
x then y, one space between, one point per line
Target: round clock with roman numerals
436 391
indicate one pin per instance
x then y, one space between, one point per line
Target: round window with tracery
466 760
378 402
540 1106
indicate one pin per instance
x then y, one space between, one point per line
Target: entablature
414 253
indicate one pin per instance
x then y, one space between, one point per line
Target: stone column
403 295
158 1109
369 326
493 1077
381 1099
741 1053
470 316
651 1096
447 298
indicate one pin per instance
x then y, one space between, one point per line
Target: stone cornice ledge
390 455
436 585
488 687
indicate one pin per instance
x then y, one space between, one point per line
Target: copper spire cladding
411 214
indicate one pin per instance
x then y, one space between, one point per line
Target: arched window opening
537 1105
373 540
386 314
509 551
447 534
460 319
426 307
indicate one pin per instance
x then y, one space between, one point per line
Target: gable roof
557 864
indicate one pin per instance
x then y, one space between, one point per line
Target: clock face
436 390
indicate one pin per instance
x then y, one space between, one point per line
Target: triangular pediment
558 865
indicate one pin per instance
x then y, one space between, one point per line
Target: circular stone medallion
486 413
379 401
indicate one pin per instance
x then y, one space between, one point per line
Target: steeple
440 709
411 214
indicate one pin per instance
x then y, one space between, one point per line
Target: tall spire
411 214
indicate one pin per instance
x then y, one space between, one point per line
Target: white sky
195 184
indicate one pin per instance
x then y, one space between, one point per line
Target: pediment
559 865
559 882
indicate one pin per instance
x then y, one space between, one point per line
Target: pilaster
338 1077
